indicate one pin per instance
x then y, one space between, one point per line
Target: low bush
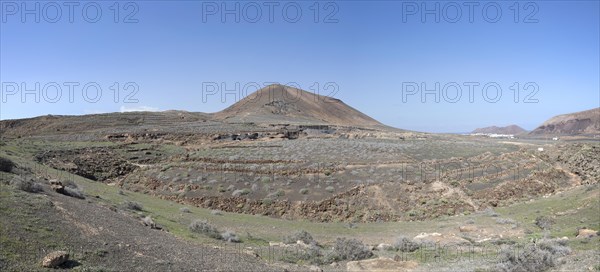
203 227
540 256
490 212
74 192
240 192
185 210
230 236
544 222
505 221
26 184
132 205
405 244
6 165
302 235
350 249
312 255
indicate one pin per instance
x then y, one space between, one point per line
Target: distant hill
512 129
276 104
578 123
52 124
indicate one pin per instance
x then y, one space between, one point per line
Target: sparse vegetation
74 192
204 228
240 192
350 249
405 244
544 222
423 212
490 212
230 236
505 221
540 256
185 210
302 235
132 205
26 184
313 254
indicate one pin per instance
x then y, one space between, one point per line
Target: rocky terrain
583 122
283 104
281 183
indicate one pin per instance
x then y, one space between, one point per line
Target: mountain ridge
576 123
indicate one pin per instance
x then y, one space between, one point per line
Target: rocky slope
282 104
578 123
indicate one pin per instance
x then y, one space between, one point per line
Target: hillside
578 123
274 104
512 129
282 104
126 121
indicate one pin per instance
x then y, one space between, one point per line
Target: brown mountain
276 104
512 129
578 123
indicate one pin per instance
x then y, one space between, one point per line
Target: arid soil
101 238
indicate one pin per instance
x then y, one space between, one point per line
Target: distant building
494 135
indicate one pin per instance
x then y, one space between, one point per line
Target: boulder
585 233
302 244
440 239
55 259
57 186
383 246
467 228
314 268
381 264
276 244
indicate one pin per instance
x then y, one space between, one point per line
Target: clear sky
166 53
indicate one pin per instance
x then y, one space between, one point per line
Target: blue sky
369 50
